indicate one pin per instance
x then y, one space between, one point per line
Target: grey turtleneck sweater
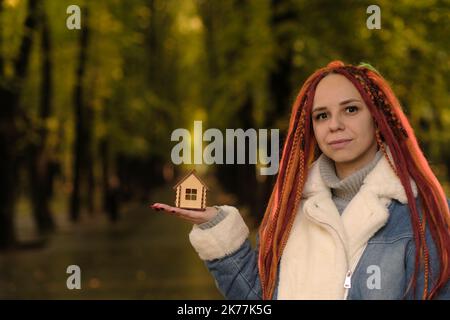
342 191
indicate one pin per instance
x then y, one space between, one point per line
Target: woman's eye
319 116
353 108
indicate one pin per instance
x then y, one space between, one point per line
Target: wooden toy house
191 192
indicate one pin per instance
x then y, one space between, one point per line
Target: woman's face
339 113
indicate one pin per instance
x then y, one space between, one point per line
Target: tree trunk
104 158
2 59
41 178
10 92
8 135
90 157
80 146
110 181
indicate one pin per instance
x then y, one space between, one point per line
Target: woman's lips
340 145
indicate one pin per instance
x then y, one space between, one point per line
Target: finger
160 206
171 210
165 207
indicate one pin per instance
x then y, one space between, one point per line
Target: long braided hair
392 128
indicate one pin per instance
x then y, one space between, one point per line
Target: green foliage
154 66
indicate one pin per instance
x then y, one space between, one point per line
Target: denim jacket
383 271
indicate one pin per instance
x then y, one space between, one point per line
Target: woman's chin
341 156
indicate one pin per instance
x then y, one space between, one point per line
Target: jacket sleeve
228 255
434 263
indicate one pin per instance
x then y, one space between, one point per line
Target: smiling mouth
340 144
340 141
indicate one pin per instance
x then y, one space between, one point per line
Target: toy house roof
192 172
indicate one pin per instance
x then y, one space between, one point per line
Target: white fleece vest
323 245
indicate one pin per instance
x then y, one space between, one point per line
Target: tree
81 145
41 173
10 133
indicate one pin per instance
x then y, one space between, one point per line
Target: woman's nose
335 123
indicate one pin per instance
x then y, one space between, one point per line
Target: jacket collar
381 181
366 213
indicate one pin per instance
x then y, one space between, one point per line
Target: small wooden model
191 192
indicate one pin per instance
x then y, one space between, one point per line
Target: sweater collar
381 181
348 187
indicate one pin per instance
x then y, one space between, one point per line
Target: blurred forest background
86 117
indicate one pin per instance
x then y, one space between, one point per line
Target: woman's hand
194 216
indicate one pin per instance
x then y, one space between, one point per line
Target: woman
356 212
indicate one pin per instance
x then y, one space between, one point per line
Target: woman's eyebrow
349 100
340 103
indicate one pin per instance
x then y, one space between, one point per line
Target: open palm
194 216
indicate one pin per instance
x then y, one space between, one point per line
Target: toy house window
191 194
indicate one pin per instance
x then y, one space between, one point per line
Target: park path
147 255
